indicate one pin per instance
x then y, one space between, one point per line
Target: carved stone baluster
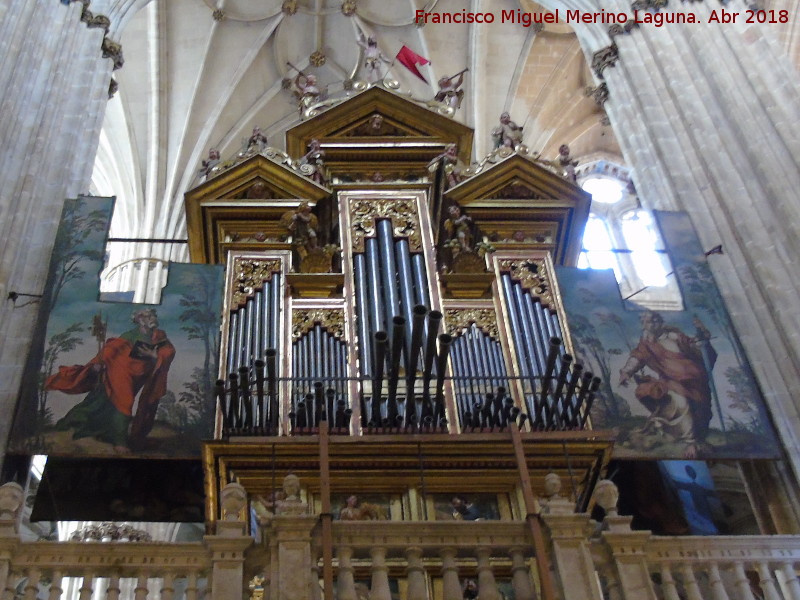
168 588
417 587
790 575
345 584
668 583
32 587
140 592
487 586
55 587
316 590
85 591
690 583
191 586
112 590
451 586
717 587
379 588
768 585
743 591
521 576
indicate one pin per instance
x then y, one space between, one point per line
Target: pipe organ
423 325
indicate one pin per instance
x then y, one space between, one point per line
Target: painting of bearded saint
133 365
679 398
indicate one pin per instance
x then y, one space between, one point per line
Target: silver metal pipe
272 388
445 340
513 317
421 291
233 341
540 337
362 315
258 311
406 283
388 269
434 319
375 303
398 339
247 346
381 346
276 310
266 316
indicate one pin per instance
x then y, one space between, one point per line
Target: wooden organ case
379 299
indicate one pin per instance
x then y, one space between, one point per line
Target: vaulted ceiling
195 78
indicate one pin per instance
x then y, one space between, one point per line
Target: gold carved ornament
532 274
364 214
303 320
485 319
250 274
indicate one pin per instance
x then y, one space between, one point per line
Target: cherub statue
459 228
209 164
302 225
507 134
315 157
372 57
257 142
566 162
306 90
449 92
453 169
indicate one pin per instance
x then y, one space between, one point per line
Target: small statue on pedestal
256 142
449 92
508 134
453 169
459 228
566 162
372 57
208 165
314 158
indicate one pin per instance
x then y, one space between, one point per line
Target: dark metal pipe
233 378
374 285
276 309
309 403
445 340
244 392
583 416
434 319
233 341
319 401
586 383
540 337
272 387
258 311
381 346
559 401
526 326
249 343
552 355
330 405
259 369
398 339
421 292
388 269
266 317
240 349
569 417
405 280
417 327
362 315
517 338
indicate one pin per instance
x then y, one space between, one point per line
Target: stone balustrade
459 553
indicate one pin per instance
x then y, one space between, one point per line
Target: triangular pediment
342 128
518 199
246 199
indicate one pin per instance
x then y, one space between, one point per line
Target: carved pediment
345 130
243 205
378 125
524 203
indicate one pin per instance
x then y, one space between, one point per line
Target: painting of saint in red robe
679 399
131 367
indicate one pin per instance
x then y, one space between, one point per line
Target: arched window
622 236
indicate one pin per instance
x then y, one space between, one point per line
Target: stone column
55 88
11 497
572 559
627 546
229 544
293 536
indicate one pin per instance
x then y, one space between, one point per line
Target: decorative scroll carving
461 318
109 532
249 274
332 319
402 212
533 275
603 58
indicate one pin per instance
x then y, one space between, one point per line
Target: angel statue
372 57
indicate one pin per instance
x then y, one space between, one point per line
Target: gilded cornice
485 319
332 319
365 212
249 274
533 275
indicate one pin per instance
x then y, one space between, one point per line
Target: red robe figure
679 401
135 364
